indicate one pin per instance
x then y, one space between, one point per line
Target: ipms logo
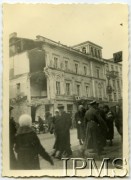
118 168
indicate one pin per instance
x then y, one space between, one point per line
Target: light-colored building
113 73
45 73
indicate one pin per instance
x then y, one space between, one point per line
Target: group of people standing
95 126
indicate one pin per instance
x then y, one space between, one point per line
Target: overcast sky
105 25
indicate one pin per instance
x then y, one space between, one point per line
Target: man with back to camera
64 133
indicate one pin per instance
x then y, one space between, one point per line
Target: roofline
43 39
111 61
87 42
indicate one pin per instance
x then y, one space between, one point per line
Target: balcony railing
112 74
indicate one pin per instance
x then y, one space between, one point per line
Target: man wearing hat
12 133
92 140
63 133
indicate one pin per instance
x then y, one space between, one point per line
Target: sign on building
117 57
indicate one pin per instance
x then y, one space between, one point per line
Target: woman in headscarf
28 146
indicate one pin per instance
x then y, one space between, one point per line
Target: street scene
66 94
51 93
110 152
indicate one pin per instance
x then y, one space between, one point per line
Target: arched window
98 52
99 90
95 53
84 50
92 53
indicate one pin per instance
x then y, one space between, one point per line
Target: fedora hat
93 102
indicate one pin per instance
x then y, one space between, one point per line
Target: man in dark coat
102 124
54 130
93 138
110 123
28 146
118 115
79 119
12 133
63 133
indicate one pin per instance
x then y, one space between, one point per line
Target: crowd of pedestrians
95 126
95 130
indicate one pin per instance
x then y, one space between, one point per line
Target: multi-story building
113 73
45 73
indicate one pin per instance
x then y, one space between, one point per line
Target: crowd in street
95 130
95 126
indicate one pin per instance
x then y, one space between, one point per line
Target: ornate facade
44 73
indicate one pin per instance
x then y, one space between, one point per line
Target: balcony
112 74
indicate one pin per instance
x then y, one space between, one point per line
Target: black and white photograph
65 86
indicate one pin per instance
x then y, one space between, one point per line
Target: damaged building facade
45 74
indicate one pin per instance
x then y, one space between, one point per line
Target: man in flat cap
63 133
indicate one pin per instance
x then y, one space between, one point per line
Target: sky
105 25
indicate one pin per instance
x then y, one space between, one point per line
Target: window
115 97
55 62
85 70
100 91
107 67
95 53
118 84
92 53
61 65
78 90
66 65
112 68
87 90
18 88
99 54
110 97
57 87
67 88
76 68
114 85
97 73
84 50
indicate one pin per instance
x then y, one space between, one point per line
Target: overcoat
118 115
92 139
62 132
110 125
80 125
28 147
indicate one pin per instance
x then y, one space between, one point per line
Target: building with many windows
45 73
113 73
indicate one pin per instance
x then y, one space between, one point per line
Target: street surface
47 140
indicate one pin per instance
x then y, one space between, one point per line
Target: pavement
112 152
